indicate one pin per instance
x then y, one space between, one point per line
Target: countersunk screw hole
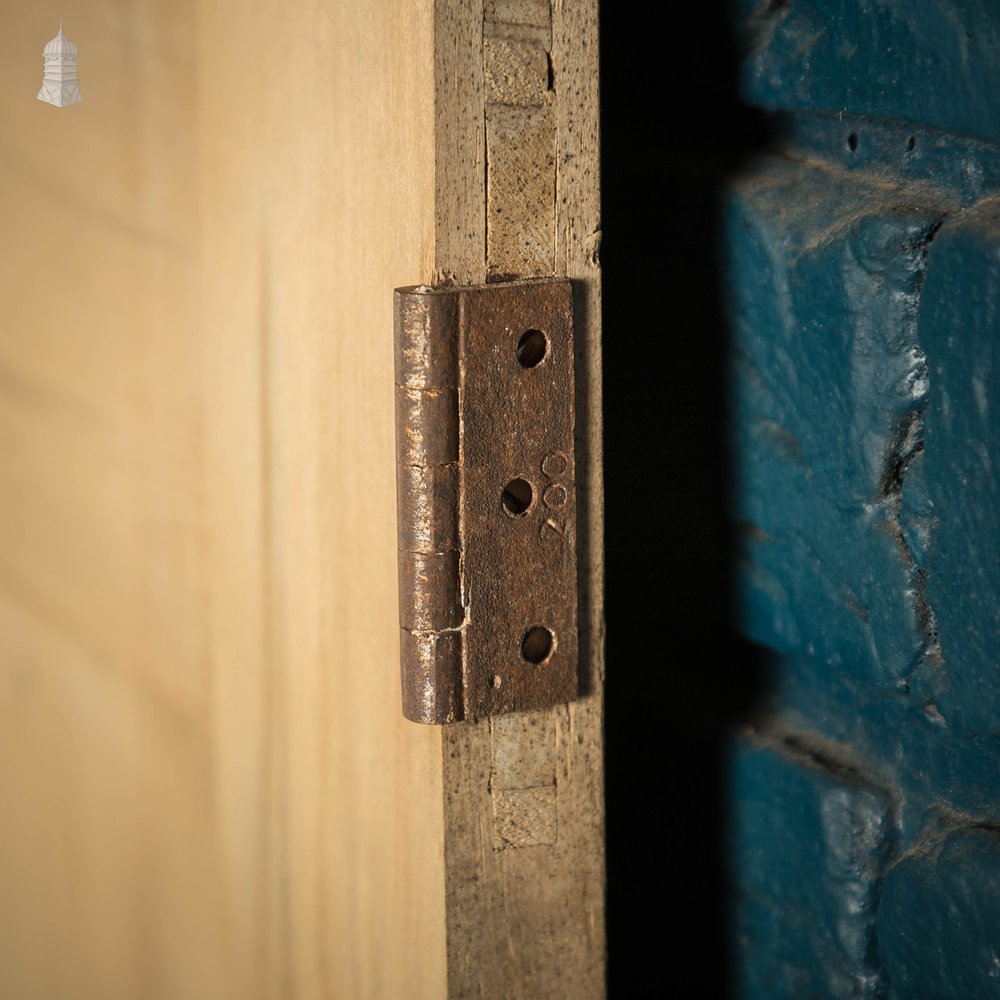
517 496
538 644
852 142
532 348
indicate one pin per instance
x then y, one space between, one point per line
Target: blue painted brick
959 478
829 383
940 917
809 841
927 61
862 269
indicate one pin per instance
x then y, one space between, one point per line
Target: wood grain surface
524 815
208 789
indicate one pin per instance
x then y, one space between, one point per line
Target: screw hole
538 644
517 496
852 141
532 348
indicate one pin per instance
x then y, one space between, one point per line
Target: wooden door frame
517 162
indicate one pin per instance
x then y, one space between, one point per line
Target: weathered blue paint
862 269
939 916
960 470
931 62
808 936
830 331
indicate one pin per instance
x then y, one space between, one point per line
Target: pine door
208 789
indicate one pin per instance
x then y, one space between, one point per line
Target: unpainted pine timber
317 191
524 817
208 789
108 855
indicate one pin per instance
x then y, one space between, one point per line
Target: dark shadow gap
670 138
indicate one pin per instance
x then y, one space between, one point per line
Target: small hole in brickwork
538 644
852 142
517 496
531 348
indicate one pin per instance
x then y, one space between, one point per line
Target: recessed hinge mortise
486 492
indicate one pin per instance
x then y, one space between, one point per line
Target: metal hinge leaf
486 499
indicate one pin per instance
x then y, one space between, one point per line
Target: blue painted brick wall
862 264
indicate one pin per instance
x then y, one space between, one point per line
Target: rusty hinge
487 501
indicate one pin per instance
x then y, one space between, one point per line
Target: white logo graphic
60 86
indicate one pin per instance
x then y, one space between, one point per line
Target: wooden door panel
316 189
208 787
